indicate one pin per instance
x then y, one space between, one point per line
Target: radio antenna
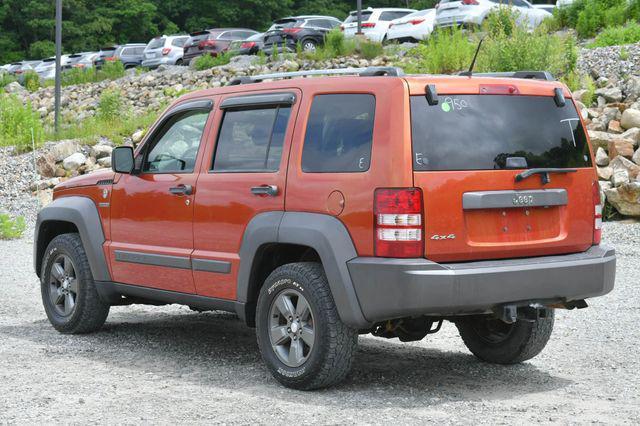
473 63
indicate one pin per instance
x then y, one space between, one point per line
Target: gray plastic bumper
393 288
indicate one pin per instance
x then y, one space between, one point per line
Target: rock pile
614 128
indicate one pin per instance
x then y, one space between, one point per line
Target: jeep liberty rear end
320 209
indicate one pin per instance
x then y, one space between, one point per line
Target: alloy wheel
63 285
291 328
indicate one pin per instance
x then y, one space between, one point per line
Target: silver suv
165 50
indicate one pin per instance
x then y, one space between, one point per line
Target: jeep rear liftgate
512 172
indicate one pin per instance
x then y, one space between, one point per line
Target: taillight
470 2
416 21
293 30
110 58
248 44
166 51
206 43
398 222
597 210
368 25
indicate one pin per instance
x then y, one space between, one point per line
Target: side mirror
122 159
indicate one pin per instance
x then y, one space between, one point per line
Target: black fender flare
83 213
325 234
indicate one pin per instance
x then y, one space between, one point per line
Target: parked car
413 27
130 54
472 13
25 67
250 46
46 69
82 60
289 212
165 50
106 53
213 41
546 7
375 22
11 68
309 31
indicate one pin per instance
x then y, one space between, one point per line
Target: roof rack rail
363 72
531 75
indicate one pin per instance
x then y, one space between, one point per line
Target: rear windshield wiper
544 173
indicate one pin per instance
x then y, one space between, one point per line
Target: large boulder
625 198
15 88
46 166
602 159
74 161
604 173
610 94
630 118
620 177
64 149
101 151
622 163
601 139
620 147
633 134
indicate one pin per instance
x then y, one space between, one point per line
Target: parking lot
169 364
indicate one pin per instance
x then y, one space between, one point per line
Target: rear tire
497 342
303 350
69 294
179 62
309 45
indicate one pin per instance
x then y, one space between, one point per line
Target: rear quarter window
479 132
339 134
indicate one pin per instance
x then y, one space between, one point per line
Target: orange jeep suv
318 209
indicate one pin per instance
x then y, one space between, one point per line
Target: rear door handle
271 190
181 190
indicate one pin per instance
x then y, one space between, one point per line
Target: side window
175 148
179 42
339 134
251 140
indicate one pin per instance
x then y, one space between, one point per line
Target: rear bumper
393 288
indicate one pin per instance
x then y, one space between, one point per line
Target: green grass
90 130
506 47
11 228
6 79
206 61
17 121
618 35
588 17
111 70
31 81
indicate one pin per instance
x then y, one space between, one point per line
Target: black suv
308 30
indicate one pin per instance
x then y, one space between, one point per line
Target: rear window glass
353 17
339 134
479 132
156 43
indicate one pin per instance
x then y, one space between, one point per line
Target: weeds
618 35
17 121
11 228
31 81
207 61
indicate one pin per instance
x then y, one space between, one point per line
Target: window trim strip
287 98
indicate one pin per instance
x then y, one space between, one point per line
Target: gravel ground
168 364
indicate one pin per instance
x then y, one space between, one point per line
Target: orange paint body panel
210 223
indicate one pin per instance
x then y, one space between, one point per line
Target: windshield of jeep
479 132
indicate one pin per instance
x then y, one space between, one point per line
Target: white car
471 13
47 68
375 22
413 27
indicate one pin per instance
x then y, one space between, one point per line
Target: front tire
495 341
69 295
301 338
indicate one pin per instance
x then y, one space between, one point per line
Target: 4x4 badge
443 237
